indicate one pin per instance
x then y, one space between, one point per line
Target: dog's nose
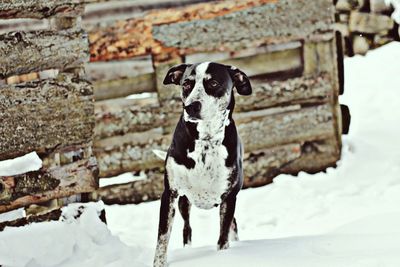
193 109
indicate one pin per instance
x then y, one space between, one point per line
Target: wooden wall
46 106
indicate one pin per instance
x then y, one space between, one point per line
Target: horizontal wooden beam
39 9
25 52
121 116
245 28
41 115
260 167
124 87
258 130
137 39
46 184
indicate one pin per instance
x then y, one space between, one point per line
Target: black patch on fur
183 141
219 73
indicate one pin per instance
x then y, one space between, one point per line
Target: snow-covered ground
348 216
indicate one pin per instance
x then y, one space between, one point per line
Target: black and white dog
204 162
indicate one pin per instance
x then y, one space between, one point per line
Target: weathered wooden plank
121 69
369 23
39 9
270 62
267 23
122 116
316 156
310 123
123 87
25 52
136 38
133 151
45 184
260 167
41 115
130 152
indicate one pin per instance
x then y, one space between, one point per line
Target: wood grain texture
39 9
25 52
133 151
267 23
42 115
55 182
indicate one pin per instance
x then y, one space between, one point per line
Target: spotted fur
204 162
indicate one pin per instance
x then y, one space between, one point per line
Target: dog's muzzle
193 110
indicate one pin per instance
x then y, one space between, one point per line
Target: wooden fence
47 106
292 122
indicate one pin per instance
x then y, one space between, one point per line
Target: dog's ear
175 74
240 81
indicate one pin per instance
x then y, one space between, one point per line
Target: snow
348 216
396 5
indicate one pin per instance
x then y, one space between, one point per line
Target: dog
203 165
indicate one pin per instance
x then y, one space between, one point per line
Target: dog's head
207 88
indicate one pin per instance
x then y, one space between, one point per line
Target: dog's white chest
204 184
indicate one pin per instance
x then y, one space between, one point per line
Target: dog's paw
223 246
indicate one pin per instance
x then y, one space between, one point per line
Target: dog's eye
186 86
213 83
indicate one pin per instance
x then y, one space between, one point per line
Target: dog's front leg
226 212
167 212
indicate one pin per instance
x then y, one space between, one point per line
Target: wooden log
316 156
39 9
234 25
133 151
122 116
247 27
45 184
270 63
114 70
50 216
309 123
260 167
361 45
130 152
42 115
124 87
25 52
369 23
